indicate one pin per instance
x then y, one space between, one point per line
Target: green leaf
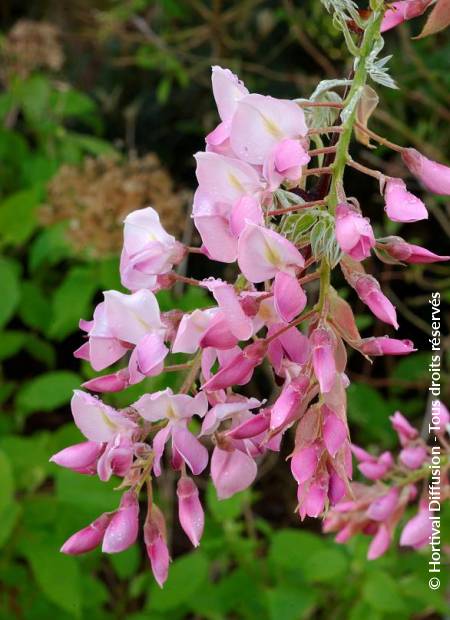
292 549
187 575
326 565
50 247
7 480
126 564
57 575
89 144
370 412
381 591
228 509
29 458
9 516
10 296
72 301
290 604
33 309
40 350
87 492
48 391
18 215
413 367
11 342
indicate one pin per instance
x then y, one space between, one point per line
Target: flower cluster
254 178
376 510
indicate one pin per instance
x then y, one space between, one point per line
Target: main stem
371 34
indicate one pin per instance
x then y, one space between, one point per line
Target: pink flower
231 472
304 462
434 176
122 530
334 431
227 91
191 329
417 531
262 253
177 409
190 511
413 457
234 407
287 406
409 253
322 346
289 297
369 291
285 162
260 123
98 422
401 11
156 545
81 457
240 325
383 507
88 538
404 430
148 250
401 205
239 370
383 345
380 543
353 232
375 468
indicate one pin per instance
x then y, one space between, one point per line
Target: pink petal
193 453
227 91
334 432
231 472
151 352
190 511
289 297
122 530
246 208
380 543
401 205
81 457
434 176
304 463
88 538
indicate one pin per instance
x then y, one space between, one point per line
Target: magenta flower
190 511
81 457
435 177
231 471
380 542
369 292
289 297
353 232
417 531
322 347
383 506
156 545
402 11
238 370
401 205
404 430
148 250
413 457
409 253
122 530
383 345
285 163
177 409
262 253
88 538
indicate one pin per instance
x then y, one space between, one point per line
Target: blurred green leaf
290 604
368 409
227 509
57 575
179 589
11 342
18 215
49 247
48 391
126 564
41 350
7 480
72 300
292 549
10 296
33 308
382 592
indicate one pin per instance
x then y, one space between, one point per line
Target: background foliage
94 96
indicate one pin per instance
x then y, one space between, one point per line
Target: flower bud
323 358
122 531
405 252
88 538
417 531
353 232
155 542
369 292
384 345
82 457
304 463
382 507
434 176
413 457
380 543
401 205
403 428
190 511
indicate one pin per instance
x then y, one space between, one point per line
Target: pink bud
380 543
334 431
218 334
401 205
353 232
386 346
304 463
88 538
369 292
413 457
378 469
115 382
409 253
289 157
82 457
286 407
122 531
155 542
417 530
312 502
252 427
190 511
434 176
382 507
403 428
323 358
